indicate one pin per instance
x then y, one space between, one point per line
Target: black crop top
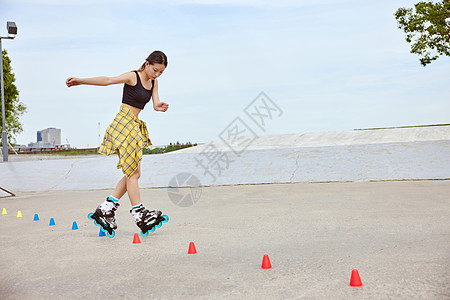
136 95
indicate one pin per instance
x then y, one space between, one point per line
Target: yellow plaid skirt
129 135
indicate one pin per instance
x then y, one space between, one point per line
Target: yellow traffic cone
19 214
4 211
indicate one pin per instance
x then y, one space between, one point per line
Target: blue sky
329 65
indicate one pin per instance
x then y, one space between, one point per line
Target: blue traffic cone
36 217
52 222
101 233
74 226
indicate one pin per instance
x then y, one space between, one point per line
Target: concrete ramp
360 155
339 138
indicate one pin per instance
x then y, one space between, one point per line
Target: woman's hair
156 57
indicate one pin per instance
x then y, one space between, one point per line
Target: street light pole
4 133
12 29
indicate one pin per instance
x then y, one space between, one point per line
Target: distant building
41 144
49 136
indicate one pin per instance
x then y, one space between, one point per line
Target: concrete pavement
396 234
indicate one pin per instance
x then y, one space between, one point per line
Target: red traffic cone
192 249
266 262
136 239
355 280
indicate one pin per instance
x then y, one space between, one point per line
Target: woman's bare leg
129 185
121 187
133 187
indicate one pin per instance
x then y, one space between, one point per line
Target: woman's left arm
158 105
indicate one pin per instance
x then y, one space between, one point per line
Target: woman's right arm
102 81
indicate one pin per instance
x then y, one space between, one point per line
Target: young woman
127 135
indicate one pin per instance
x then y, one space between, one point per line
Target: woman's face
155 70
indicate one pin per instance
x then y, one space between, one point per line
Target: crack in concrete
70 170
65 176
296 168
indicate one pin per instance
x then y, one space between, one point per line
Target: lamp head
12 28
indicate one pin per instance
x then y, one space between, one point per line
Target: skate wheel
159 225
90 217
96 223
166 219
103 230
151 230
144 234
111 235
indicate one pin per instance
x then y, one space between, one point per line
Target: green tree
13 107
427 28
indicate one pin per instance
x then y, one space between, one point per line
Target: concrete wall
393 154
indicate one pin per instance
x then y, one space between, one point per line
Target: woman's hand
161 106
72 81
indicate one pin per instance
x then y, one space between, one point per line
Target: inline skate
104 217
147 220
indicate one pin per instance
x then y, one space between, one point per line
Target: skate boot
147 220
104 217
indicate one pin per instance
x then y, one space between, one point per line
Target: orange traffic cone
136 239
355 280
192 249
266 262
